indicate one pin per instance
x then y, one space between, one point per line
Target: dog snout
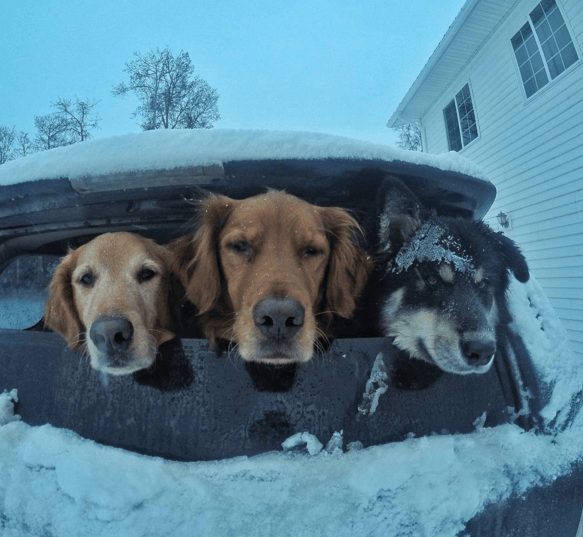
112 335
279 318
478 352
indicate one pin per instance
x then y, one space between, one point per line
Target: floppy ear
512 256
348 266
60 312
196 258
172 294
399 209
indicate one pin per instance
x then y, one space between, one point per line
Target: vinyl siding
532 150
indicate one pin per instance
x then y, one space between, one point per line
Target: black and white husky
443 283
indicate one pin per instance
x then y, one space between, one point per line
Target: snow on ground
52 482
169 149
55 483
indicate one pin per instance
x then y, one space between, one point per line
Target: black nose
478 352
111 335
278 318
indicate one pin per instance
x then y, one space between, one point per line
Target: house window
545 31
460 120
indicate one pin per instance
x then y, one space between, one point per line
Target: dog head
109 297
444 284
261 270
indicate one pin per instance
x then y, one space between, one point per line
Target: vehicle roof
171 149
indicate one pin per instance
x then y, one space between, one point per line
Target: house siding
532 150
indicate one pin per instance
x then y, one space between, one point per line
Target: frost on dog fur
432 243
443 284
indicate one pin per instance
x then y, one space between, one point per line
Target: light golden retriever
268 273
109 298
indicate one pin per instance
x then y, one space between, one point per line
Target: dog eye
145 274
482 284
87 279
311 251
241 247
431 280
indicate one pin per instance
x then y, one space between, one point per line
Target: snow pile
313 445
169 149
54 483
375 387
7 400
546 340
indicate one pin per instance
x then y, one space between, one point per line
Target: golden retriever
267 273
109 298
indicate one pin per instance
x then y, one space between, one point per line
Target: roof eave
397 119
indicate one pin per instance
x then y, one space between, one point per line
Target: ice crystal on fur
431 244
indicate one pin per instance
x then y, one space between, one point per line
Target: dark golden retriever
268 273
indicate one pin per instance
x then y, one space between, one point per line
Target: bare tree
201 109
409 137
52 131
169 95
23 145
7 135
78 116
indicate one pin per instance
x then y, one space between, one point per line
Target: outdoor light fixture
503 219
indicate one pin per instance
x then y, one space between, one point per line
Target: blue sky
340 66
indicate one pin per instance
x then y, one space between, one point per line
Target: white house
505 88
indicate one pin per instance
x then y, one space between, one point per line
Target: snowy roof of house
469 31
160 150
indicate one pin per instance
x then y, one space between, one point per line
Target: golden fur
109 297
278 247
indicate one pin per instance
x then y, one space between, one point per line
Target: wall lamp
503 219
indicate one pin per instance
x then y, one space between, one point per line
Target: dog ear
512 256
196 258
168 320
399 210
60 312
348 267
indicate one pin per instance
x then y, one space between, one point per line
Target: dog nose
478 352
278 317
112 334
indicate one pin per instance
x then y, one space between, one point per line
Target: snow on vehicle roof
169 149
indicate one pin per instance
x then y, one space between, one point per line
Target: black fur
454 272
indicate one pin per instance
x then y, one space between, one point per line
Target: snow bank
169 149
52 482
